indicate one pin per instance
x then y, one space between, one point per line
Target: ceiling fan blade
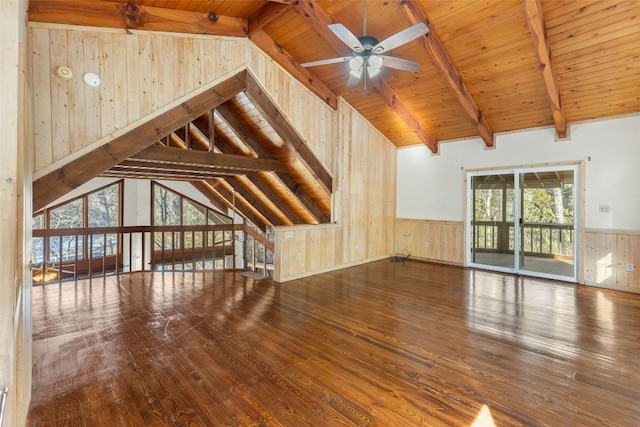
398 39
347 37
326 61
399 63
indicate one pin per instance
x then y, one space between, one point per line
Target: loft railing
537 239
258 253
62 254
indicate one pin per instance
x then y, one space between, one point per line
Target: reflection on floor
383 344
558 267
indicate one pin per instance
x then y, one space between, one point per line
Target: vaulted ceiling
229 142
486 66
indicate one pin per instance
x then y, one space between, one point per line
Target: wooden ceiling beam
155 170
188 164
247 137
230 163
382 88
293 141
237 203
320 21
255 201
191 142
267 14
214 198
286 61
533 10
75 173
136 170
132 16
442 61
281 204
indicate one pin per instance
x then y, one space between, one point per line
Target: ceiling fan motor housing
368 43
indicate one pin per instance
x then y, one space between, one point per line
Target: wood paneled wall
439 241
140 73
15 281
146 71
364 206
606 254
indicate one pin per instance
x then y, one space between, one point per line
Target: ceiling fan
367 57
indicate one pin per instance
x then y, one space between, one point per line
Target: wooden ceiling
486 66
230 142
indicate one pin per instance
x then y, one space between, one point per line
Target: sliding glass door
492 238
524 221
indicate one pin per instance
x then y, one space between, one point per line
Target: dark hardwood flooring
388 344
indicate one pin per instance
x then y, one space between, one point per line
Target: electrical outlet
426 244
604 208
631 266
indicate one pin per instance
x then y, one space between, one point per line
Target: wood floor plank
378 344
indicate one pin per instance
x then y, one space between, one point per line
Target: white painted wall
432 186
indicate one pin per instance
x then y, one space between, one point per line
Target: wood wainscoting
383 344
439 241
606 254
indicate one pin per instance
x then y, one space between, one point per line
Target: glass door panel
547 222
524 221
492 228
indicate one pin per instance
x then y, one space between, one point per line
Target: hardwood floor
380 344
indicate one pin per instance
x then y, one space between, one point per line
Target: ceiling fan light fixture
374 65
368 54
355 66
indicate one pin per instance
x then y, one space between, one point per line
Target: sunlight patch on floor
484 418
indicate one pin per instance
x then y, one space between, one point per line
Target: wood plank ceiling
485 67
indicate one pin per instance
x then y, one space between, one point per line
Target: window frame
84 255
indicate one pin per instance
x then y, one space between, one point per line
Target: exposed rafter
247 136
533 10
184 164
282 57
269 13
436 50
151 170
131 16
238 203
214 198
382 88
320 21
239 186
75 173
227 163
225 147
293 142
